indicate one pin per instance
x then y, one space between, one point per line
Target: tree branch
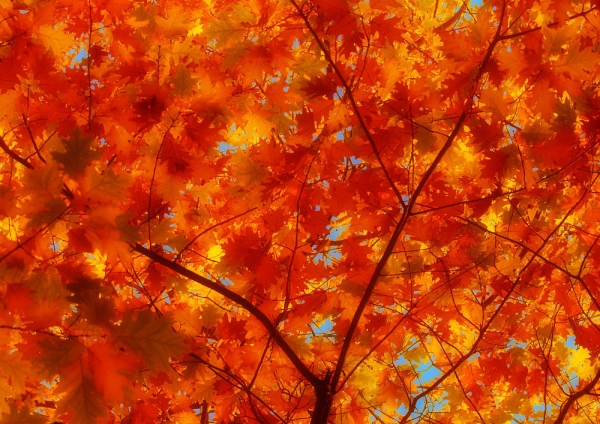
553 24
241 301
350 97
13 155
406 215
564 410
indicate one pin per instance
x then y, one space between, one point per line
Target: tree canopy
325 211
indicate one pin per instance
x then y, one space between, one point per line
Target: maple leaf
79 395
105 186
15 368
44 183
579 362
93 300
21 416
183 83
57 354
577 62
224 30
151 338
247 172
78 240
109 369
78 153
298 211
56 39
176 24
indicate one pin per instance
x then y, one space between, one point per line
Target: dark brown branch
464 202
553 24
390 249
32 237
484 329
564 410
212 227
35 146
397 231
350 97
13 155
241 301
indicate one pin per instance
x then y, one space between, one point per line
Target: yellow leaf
244 14
300 346
58 41
257 120
187 417
579 363
415 355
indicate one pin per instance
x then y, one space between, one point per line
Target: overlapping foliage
285 211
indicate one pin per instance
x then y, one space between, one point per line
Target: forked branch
241 301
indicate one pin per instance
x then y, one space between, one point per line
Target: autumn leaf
79 395
183 83
579 362
248 172
56 39
57 353
317 211
78 153
577 61
151 338
176 24
22 416
109 369
43 183
223 30
107 185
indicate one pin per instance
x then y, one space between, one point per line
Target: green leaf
46 286
22 416
78 154
183 83
57 353
223 29
78 393
107 186
152 338
94 301
51 211
576 62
